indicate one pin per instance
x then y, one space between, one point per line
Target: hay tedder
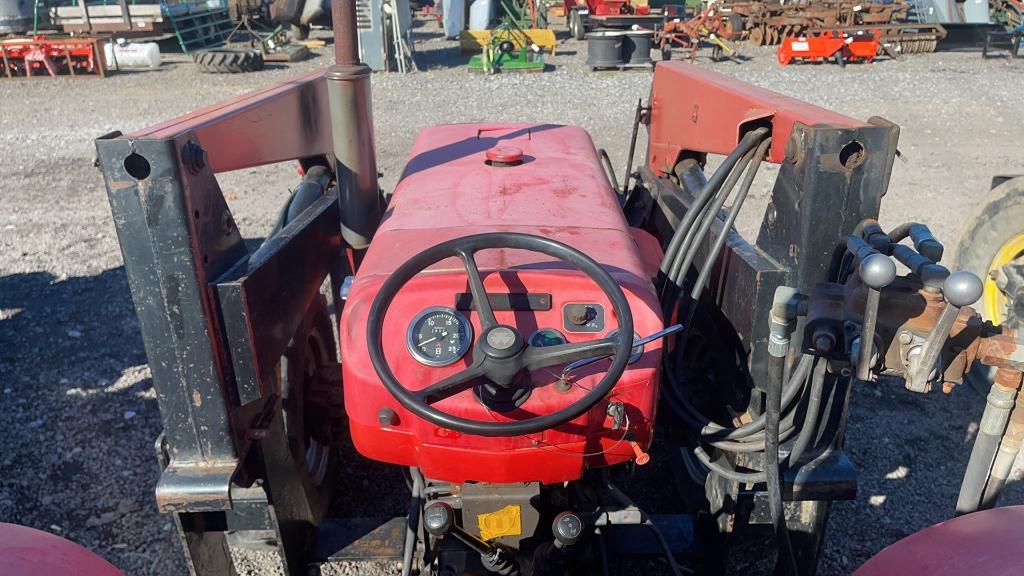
527 339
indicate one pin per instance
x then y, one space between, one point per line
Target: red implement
980 543
49 56
835 44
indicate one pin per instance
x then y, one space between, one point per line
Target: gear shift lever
439 520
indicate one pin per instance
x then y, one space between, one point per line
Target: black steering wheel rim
460 247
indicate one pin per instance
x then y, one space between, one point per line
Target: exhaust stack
355 152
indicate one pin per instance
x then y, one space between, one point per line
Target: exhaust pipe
355 153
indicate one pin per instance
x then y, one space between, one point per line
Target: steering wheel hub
502 342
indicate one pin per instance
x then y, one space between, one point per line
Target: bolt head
877 271
387 417
962 289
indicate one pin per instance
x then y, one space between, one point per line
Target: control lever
554 558
439 520
636 342
959 289
876 271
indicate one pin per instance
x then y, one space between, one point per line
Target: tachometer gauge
546 337
439 336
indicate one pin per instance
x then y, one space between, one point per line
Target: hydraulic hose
810 424
1010 446
773 473
710 430
998 403
688 250
314 184
741 195
713 184
786 306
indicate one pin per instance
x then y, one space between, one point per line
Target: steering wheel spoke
452 385
476 286
541 357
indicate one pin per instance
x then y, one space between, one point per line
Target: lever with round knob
439 520
876 271
958 290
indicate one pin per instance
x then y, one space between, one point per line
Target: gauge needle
434 339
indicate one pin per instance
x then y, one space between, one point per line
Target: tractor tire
992 237
228 60
736 25
301 377
580 29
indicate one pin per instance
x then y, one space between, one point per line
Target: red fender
25 551
984 543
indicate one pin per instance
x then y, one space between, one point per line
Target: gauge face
546 337
439 336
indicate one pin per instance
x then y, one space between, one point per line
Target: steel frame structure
833 172
215 318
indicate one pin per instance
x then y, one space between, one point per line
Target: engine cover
450 189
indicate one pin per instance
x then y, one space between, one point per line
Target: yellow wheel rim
993 300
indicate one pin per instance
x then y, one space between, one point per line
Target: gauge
637 352
546 337
439 336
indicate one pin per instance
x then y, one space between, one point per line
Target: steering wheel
501 353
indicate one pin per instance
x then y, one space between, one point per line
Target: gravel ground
78 410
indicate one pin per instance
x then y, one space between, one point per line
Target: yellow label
504 522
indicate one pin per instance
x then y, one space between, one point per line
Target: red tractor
582 16
519 332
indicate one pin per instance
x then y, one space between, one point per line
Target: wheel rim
994 301
317 454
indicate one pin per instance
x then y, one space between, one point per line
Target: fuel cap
505 156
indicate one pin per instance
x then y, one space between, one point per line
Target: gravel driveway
78 414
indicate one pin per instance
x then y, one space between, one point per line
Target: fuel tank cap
505 156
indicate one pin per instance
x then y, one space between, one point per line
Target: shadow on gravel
52 323
79 418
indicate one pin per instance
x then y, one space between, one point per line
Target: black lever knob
438 518
567 528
